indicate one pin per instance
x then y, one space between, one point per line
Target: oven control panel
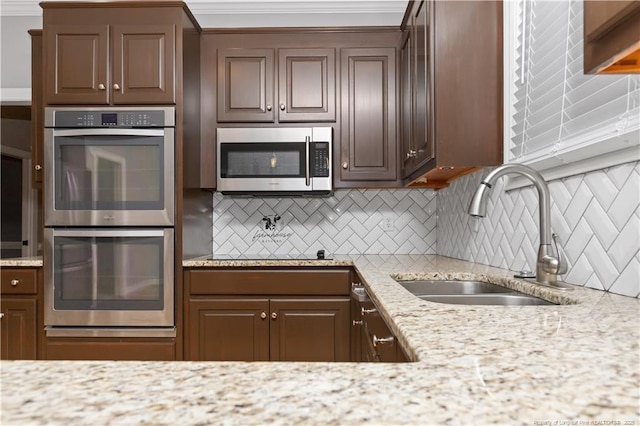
112 118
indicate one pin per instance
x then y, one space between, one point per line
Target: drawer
294 282
19 281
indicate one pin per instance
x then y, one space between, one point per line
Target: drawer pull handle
15 282
356 322
381 340
365 311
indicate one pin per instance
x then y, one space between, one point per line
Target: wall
15 57
349 222
596 215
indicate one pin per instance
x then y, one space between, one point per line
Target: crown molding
247 7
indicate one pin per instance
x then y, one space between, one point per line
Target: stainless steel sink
450 287
487 299
469 293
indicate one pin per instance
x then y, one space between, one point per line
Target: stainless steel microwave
275 161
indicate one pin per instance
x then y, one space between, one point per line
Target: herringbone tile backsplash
349 222
596 216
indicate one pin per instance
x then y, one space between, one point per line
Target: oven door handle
92 232
108 132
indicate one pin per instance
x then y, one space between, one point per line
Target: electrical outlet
388 223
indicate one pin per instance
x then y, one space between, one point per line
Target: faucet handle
562 263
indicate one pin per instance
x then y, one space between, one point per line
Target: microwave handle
307 142
108 132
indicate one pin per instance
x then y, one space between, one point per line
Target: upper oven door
109 177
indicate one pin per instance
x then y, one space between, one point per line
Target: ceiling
264 13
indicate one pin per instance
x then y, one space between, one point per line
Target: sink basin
507 299
451 287
469 293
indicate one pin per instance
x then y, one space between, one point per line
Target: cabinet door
76 64
407 71
228 330
37 110
309 329
245 85
307 85
18 328
368 142
423 147
143 64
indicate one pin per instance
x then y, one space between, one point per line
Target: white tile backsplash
349 222
596 215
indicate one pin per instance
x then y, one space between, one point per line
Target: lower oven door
109 277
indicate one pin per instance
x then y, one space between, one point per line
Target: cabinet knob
38 167
365 311
263 315
345 165
116 86
15 282
274 315
381 340
269 108
101 86
412 153
282 107
1 315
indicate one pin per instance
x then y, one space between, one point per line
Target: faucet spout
548 266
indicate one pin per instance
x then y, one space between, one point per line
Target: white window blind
558 115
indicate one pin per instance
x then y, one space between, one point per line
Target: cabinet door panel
368 114
423 109
228 330
310 330
143 64
18 328
76 64
245 85
37 110
307 85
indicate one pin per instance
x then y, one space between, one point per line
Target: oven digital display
110 119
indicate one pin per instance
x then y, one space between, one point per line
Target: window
561 121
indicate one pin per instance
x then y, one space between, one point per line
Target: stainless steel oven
108 277
109 166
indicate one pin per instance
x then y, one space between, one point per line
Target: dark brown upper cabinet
612 37
417 114
37 112
95 57
452 68
306 85
245 85
368 136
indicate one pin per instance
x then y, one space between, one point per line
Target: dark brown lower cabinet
259 329
267 314
20 316
18 328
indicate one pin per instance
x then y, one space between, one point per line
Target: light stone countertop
570 364
21 262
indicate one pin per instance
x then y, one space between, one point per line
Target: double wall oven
109 221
